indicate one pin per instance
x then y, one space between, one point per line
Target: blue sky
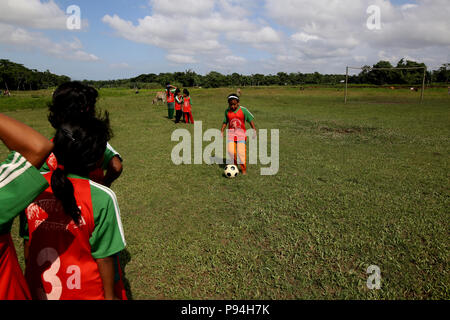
125 38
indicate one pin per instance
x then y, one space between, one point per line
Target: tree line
400 76
17 77
14 76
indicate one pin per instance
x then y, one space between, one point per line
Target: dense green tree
17 77
442 74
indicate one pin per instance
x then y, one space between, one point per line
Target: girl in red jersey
170 90
74 225
20 183
178 105
235 117
75 102
187 107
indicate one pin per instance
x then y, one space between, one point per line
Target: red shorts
12 282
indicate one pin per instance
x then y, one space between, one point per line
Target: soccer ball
231 171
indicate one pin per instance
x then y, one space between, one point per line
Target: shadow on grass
221 162
125 258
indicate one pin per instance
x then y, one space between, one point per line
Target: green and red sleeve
20 183
108 237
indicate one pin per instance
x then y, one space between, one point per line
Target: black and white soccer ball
231 171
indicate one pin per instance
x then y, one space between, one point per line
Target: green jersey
20 183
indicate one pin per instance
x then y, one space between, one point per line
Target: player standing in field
178 105
75 229
187 107
235 117
20 183
170 97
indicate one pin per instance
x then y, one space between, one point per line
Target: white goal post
386 69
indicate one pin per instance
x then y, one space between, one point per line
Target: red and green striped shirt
61 263
236 123
20 183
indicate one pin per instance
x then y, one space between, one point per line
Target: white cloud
180 59
265 35
272 35
186 8
18 16
337 30
408 6
26 40
33 13
360 59
234 60
192 31
321 34
304 37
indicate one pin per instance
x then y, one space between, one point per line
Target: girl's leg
231 148
170 109
241 150
190 115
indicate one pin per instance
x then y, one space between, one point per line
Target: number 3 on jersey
50 275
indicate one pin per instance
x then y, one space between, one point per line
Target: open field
361 184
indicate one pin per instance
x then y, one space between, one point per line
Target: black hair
78 148
233 96
72 102
177 90
186 92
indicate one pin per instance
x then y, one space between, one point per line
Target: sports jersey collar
235 110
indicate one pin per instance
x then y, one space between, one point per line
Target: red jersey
178 103
170 97
96 175
61 263
187 104
12 283
20 183
236 123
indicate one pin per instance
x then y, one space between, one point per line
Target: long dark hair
78 149
167 89
72 101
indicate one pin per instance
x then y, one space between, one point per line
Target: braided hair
78 148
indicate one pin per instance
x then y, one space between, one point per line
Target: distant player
20 183
170 97
187 107
75 228
235 117
178 105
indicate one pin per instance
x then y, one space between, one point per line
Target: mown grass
361 184
25 100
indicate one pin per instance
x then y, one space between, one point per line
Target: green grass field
361 184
